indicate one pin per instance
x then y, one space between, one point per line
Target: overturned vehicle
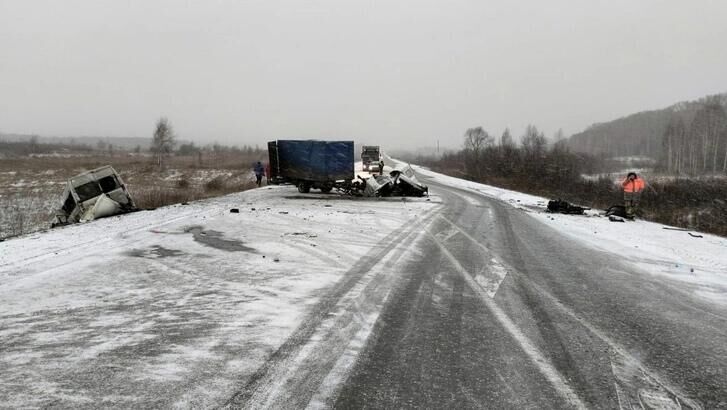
91 195
401 181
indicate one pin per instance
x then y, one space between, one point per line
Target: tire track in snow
634 383
377 294
547 369
257 385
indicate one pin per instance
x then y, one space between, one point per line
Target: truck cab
370 156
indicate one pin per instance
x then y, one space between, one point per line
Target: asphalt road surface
487 308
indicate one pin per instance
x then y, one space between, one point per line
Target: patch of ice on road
491 282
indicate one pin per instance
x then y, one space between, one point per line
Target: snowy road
459 301
506 312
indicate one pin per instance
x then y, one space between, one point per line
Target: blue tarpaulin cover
313 160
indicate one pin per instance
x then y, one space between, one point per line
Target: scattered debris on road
93 194
671 228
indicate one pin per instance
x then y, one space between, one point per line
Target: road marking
649 378
495 268
539 360
652 378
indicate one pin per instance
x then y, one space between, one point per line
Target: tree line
531 163
554 171
642 133
697 147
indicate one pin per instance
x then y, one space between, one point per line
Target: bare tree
475 141
533 142
558 136
559 141
506 139
33 144
534 149
674 145
706 131
163 141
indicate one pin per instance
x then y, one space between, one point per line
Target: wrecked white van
93 194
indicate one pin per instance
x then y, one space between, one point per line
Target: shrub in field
183 182
215 184
245 185
157 196
21 214
690 203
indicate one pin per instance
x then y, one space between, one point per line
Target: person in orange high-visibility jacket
633 185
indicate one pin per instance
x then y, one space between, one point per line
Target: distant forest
687 137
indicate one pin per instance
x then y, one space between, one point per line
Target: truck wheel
303 188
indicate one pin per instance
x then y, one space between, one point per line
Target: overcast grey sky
397 73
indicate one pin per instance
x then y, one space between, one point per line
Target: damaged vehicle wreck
91 195
400 182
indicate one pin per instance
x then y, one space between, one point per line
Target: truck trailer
310 164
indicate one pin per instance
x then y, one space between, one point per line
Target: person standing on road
259 171
633 185
381 167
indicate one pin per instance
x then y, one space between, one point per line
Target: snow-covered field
699 262
30 196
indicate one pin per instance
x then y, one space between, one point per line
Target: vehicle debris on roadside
564 207
92 195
